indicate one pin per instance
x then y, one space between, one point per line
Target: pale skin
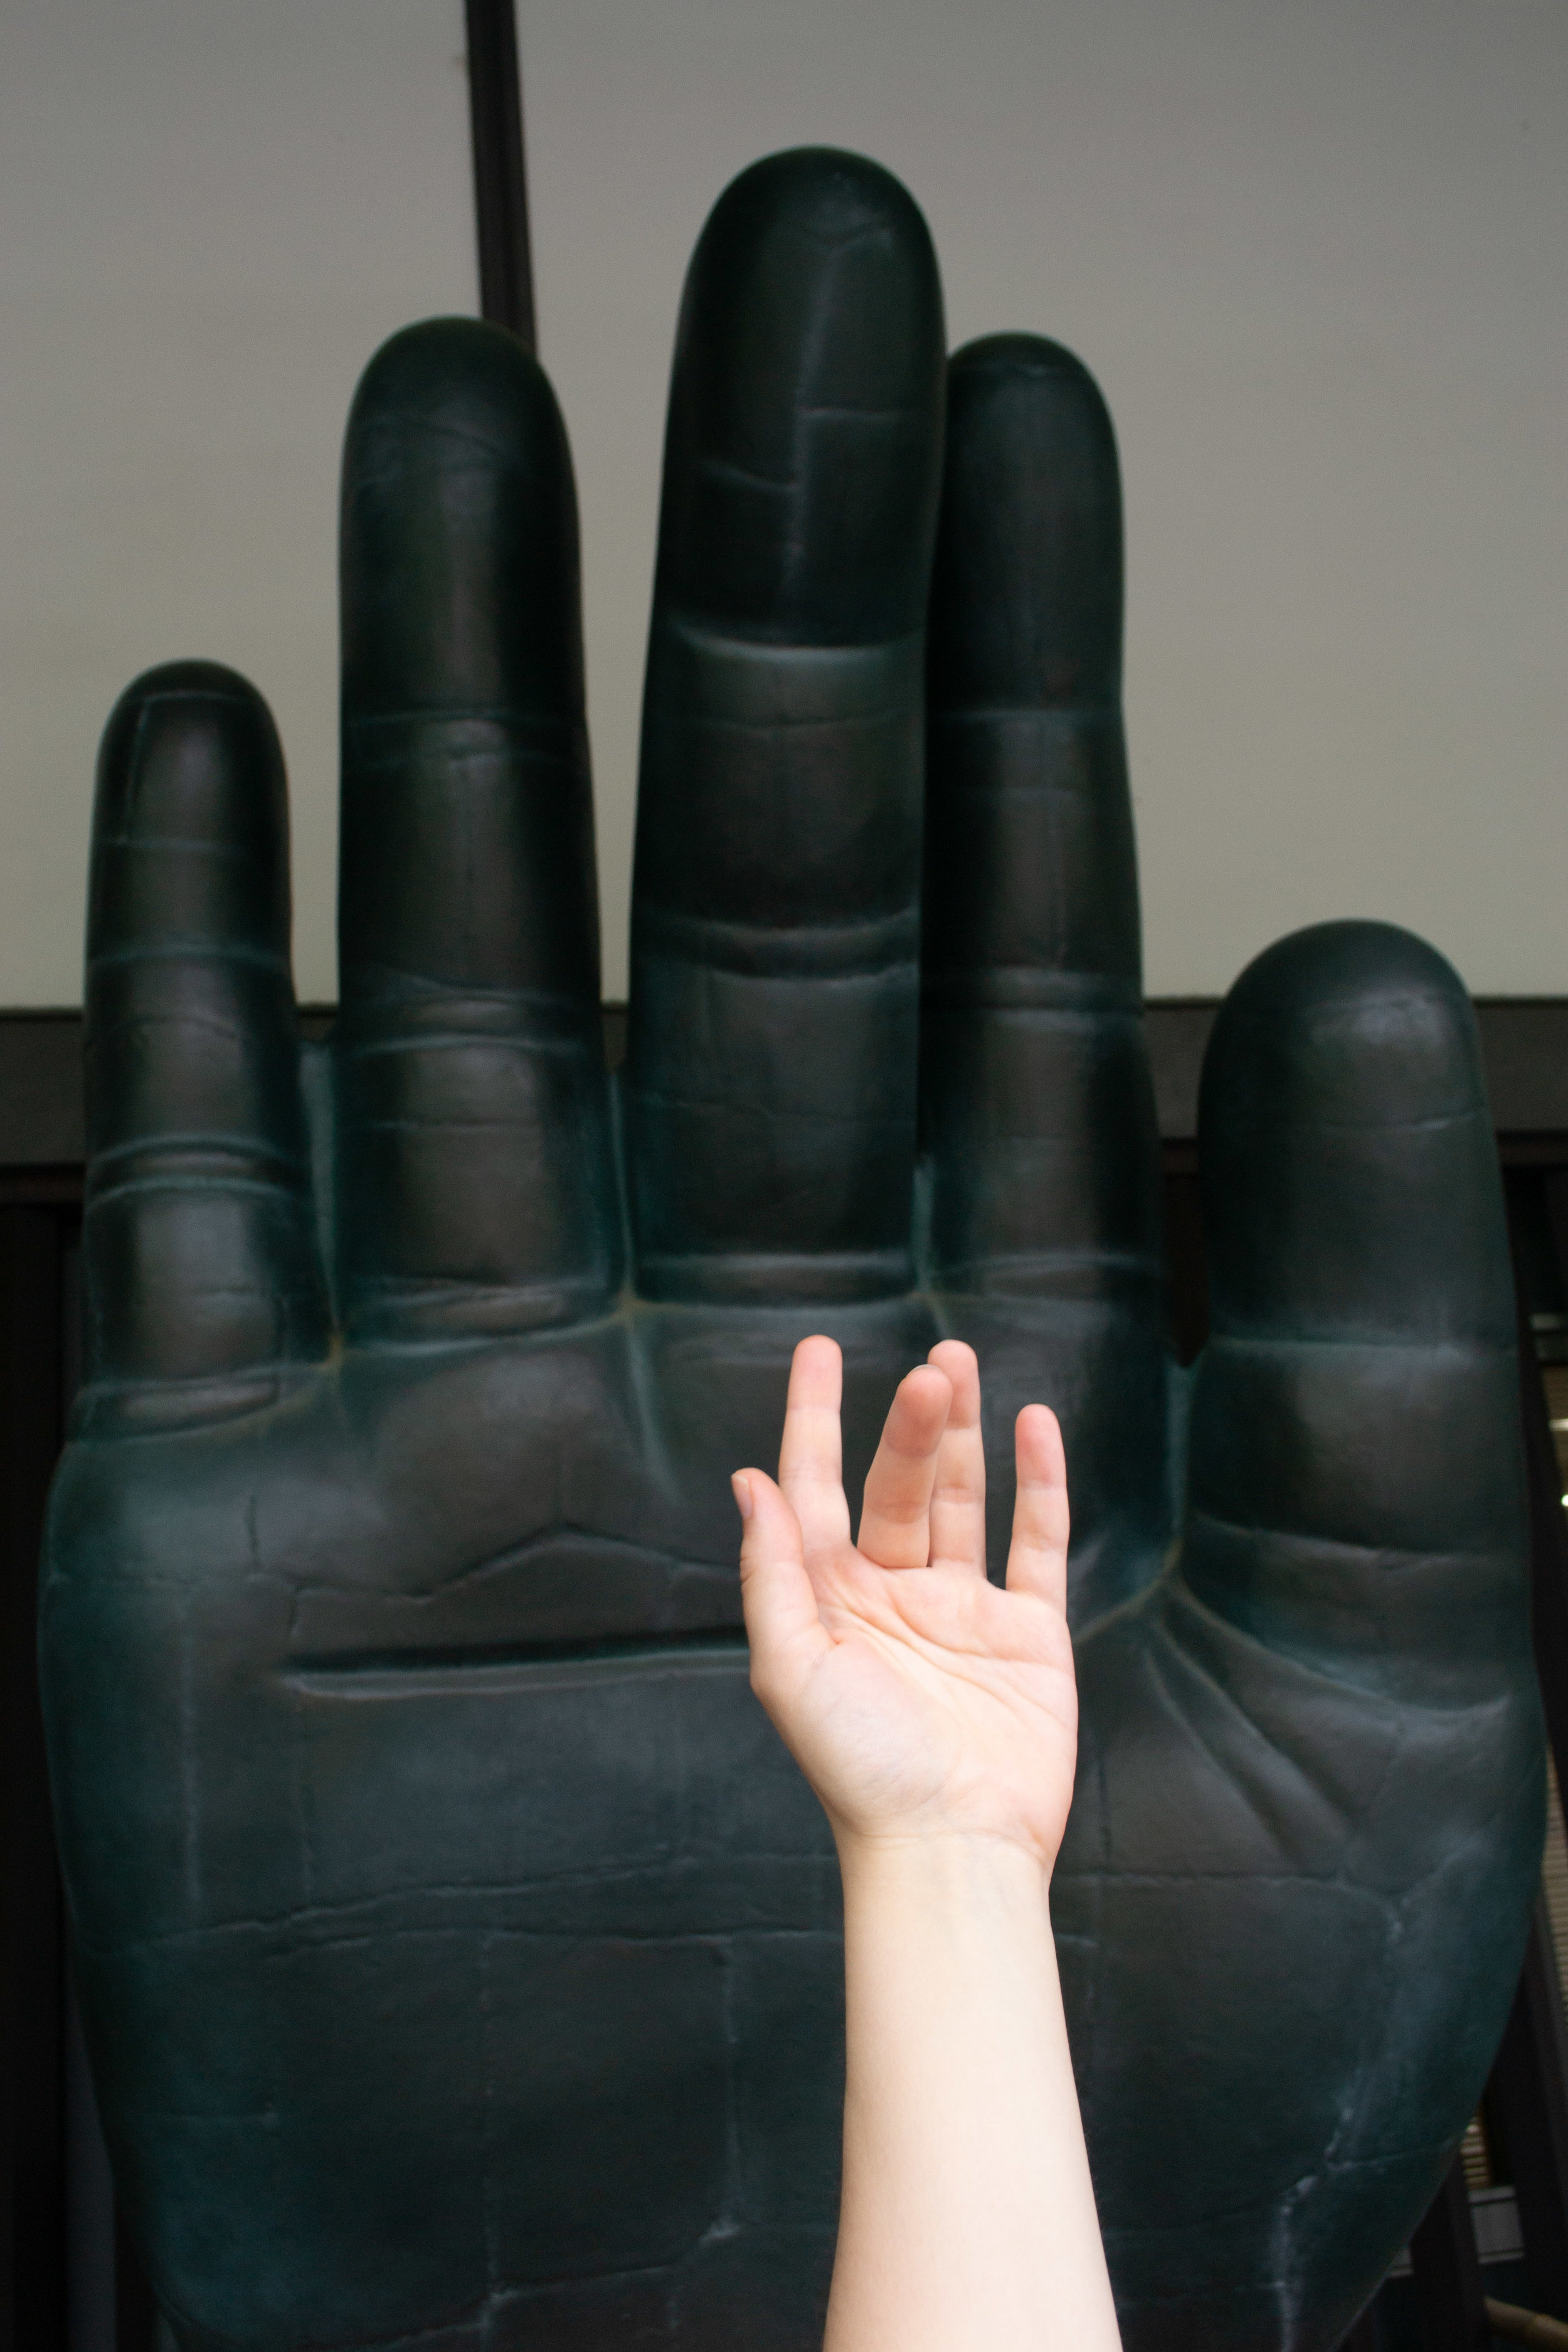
936 1717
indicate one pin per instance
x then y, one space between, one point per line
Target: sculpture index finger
204 1285
475 1193
776 919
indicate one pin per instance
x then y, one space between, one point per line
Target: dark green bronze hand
458 1944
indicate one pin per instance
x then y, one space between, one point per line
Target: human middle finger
958 1498
894 1519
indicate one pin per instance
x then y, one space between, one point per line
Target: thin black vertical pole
1527 2096
500 185
32 2058
1446 2272
1548 1549
1527 2102
1366 2335
92 2287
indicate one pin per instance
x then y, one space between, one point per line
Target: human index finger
811 1452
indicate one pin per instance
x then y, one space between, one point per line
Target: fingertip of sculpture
189 836
1344 1073
453 371
1369 1017
804 453
828 192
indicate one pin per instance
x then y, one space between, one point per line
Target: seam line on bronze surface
718 1644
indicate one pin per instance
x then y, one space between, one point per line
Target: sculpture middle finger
773 1043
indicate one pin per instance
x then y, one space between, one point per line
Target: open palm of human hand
919 1698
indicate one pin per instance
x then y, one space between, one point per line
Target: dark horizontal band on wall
1525 1039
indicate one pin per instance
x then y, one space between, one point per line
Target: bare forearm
935 1715
968 2216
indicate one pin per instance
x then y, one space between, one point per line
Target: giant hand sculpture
456 1942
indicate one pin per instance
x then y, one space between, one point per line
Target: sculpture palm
458 1946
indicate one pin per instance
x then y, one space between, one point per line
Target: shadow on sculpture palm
457 1945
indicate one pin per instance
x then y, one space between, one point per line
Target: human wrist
938 1867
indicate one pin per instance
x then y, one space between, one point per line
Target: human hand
920 1699
934 1714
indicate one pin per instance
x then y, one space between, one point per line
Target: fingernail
742 1487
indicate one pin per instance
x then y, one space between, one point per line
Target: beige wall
210 212
1314 250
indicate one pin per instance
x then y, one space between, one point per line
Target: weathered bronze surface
458 1946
